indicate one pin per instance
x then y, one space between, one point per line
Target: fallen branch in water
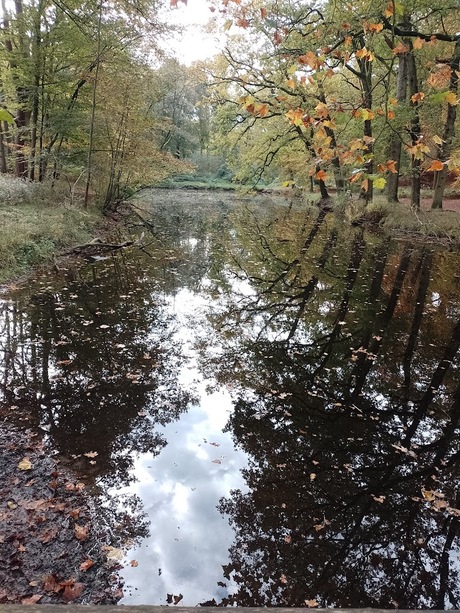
97 245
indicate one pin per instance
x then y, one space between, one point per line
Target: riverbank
52 547
38 222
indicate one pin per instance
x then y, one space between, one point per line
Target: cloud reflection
181 488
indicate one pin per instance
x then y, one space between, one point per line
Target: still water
273 397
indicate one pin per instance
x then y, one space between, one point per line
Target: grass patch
34 225
436 223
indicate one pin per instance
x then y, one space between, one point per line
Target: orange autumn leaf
391 166
391 114
400 48
320 175
375 27
418 43
436 165
417 97
81 532
84 566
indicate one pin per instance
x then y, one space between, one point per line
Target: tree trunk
415 129
445 148
395 146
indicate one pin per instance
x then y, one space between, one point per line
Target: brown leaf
177 599
311 603
86 564
32 599
49 534
72 592
81 532
50 584
134 563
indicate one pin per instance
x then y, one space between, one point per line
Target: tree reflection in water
92 365
347 400
341 351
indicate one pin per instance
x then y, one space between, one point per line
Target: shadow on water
340 351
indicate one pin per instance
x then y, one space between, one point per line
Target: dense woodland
333 96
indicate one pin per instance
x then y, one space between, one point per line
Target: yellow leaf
367 114
451 98
25 464
379 183
438 140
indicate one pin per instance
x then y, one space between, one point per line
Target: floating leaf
134 563
112 553
84 566
81 532
32 599
25 464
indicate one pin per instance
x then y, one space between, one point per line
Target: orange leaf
391 166
81 532
86 564
400 48
320 175
436 165
418 43
134 563
375 27
391 115
417 97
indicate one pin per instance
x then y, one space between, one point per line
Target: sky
195 44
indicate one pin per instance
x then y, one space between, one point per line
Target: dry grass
35 222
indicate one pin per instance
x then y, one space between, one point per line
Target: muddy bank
53 549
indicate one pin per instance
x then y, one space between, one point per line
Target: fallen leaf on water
25 464
84 566
311 603
217 461
215 444
283 579
71 592
312 476
50 584
112 553
32 599
91 454
81 532
177 599
169 598
378 498
134 563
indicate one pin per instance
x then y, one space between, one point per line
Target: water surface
273 398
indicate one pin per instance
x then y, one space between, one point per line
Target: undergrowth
35 222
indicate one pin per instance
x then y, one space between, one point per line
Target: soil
52 549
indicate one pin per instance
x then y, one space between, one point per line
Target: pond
271 396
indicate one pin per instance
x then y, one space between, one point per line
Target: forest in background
339 97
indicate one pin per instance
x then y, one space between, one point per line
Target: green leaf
6 116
